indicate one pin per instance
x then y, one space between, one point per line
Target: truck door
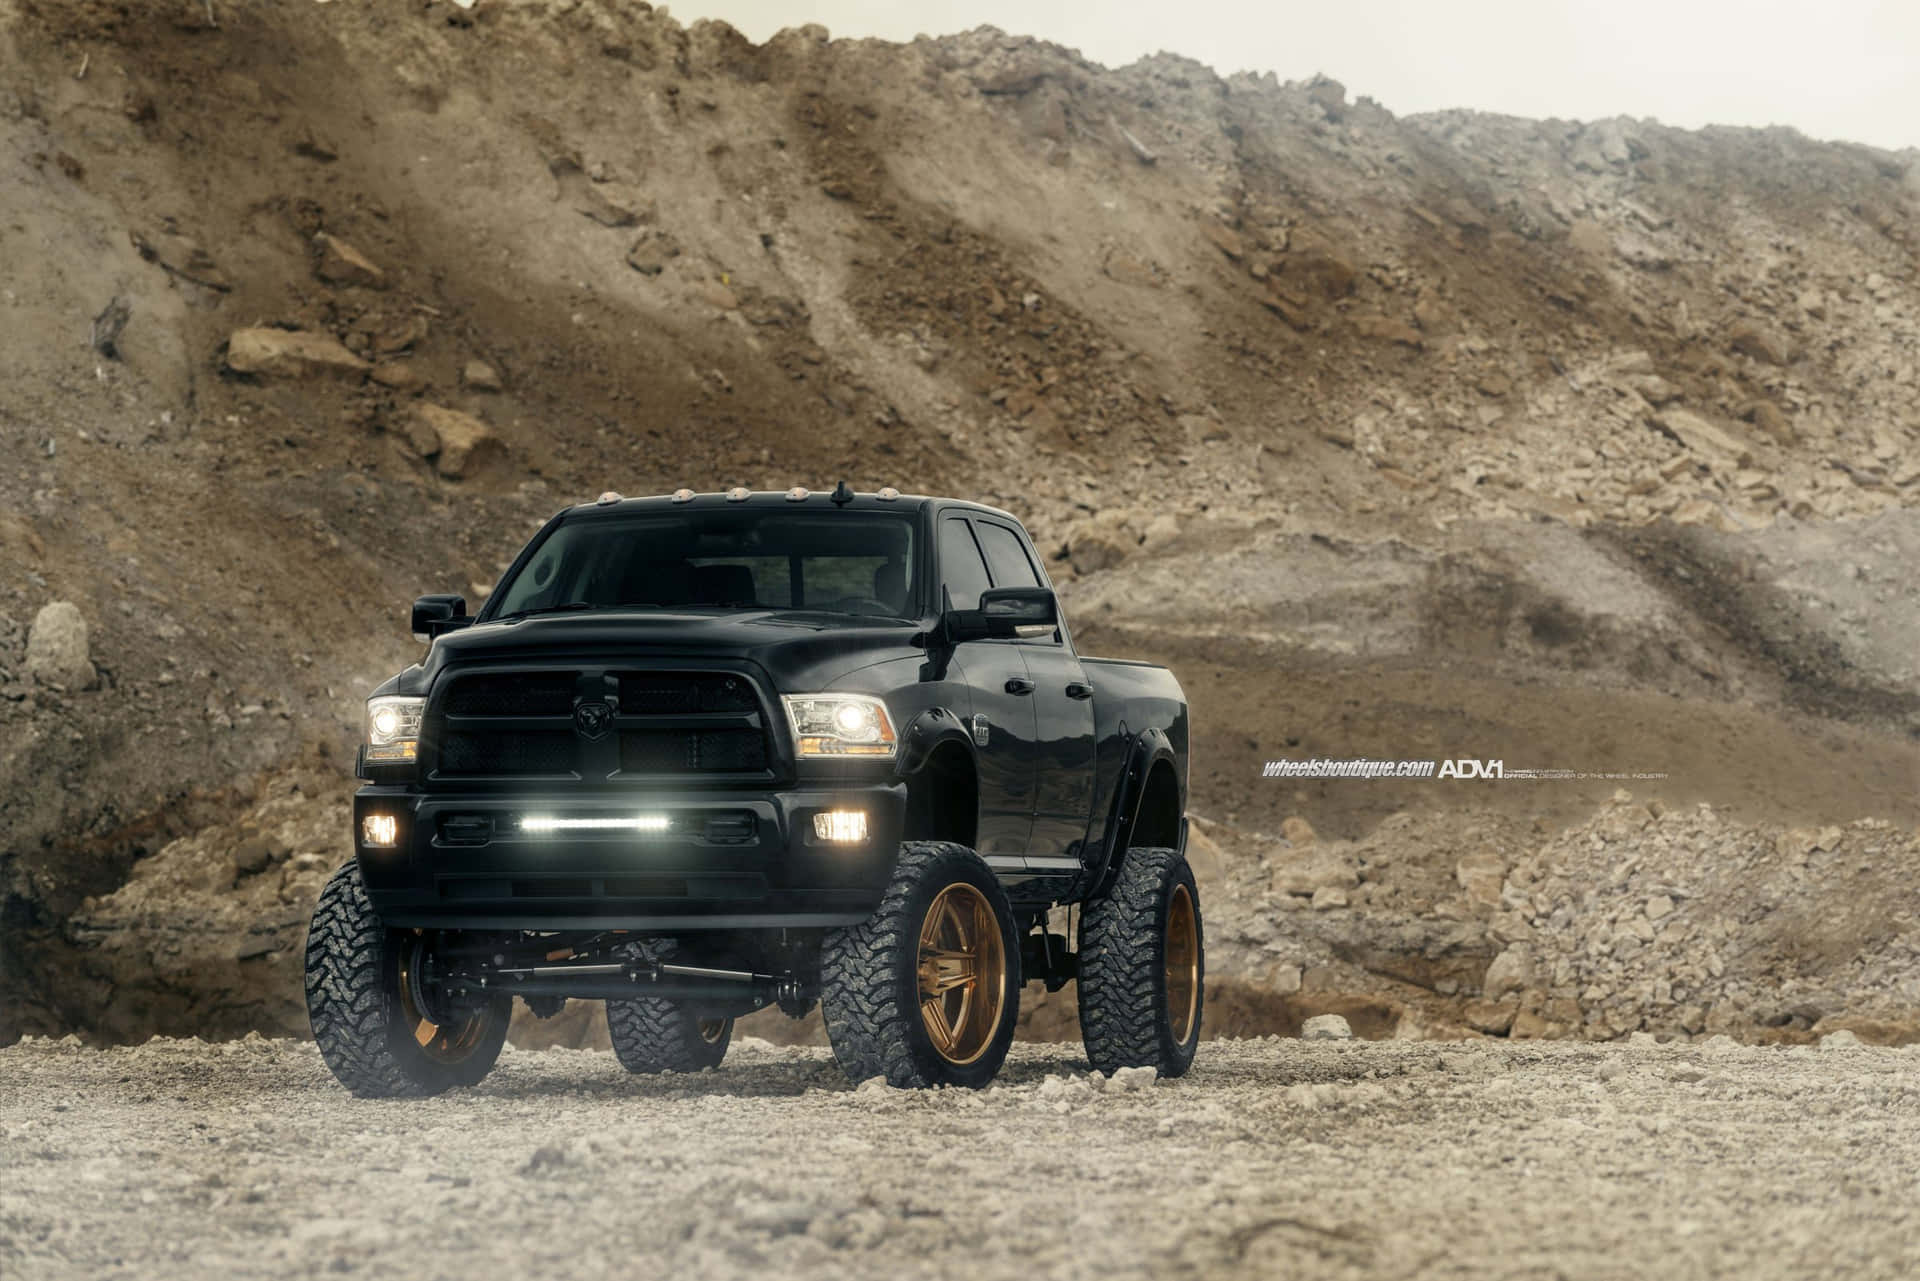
1063 707
1004 723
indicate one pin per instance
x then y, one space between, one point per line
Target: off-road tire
869 980
652 1035
355 1008
1125 1018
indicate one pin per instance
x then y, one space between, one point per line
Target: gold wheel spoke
934 1011
950 915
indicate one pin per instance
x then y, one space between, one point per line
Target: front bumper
725 860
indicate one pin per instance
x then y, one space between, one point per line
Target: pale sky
1835 69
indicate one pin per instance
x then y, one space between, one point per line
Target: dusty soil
1273 1158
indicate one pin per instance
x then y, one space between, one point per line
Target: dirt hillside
1586 446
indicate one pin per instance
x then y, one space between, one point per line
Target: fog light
846 826
380 830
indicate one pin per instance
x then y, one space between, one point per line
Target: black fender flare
925 734
1148 748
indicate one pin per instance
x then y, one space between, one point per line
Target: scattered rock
1701 436
290 353
1128 1079
1328 897
57 648
1495 1017
460 444
1511 971
399 375
1297 830
650 254
1225 239
339 263
1312 870
1761 343
1326 1027
480 376
1386 329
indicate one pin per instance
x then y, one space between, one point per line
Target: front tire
926 991
371 1009
1143 966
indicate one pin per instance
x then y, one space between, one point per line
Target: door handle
1079 689
1019 685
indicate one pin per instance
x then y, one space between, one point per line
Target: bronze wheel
963 973
1182 964
926 991
711 1030
1143 966
453 1041
376 1019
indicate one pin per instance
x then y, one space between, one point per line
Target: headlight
838 725
393 729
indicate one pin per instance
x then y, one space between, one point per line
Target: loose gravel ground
1274 1158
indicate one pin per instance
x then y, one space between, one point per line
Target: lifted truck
705 753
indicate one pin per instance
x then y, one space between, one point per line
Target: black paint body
1076 758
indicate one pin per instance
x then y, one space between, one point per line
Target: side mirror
1003 612
436 615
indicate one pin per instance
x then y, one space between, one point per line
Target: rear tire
653 1035
1143 966
366 1004
926 991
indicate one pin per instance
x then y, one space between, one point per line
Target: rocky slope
1586 446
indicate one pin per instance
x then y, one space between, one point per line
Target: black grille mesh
668 693
517 694
687 751
518 752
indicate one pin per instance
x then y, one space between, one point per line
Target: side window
962 572
1005 556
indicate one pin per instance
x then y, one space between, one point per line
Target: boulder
1312 870
480 376
399 375
1101 543
459 444
1761 343
57 652
339 263
1511 971
290 353
1329 95
1772 420
1493 1017
1387 329
1322 271
1226 240
1326 1027
1701 436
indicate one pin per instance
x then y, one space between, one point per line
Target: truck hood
797 651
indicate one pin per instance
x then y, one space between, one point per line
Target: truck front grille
666 723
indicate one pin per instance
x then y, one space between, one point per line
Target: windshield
742 558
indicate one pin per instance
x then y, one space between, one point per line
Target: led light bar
637 823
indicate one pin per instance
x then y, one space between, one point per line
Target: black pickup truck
705 753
